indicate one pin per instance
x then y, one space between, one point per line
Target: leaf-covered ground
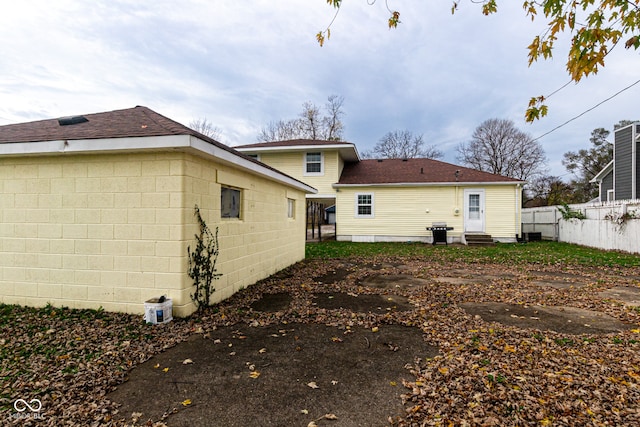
485 373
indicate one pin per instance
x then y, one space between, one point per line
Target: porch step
477 239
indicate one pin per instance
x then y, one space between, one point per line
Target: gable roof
127 129
131 122
604 172
415 171
347 150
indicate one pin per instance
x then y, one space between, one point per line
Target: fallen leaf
165 370
157 365
262 350
312 424
374 329
330 417
186 402
187 362
304 411
313 384
254 374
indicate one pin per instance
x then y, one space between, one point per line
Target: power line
586 111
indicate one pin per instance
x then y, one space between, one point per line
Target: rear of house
397 199
99 212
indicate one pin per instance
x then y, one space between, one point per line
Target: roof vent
379 160
72 120
405 160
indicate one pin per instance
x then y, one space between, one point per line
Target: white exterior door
474 211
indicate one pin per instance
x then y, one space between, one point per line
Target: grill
439 232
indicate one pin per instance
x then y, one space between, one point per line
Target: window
610 196
313 164
364 205
474 206
291 208
230 199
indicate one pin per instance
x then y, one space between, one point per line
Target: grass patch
546 253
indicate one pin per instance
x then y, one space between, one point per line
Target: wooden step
477 239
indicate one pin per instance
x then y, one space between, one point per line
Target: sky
244 64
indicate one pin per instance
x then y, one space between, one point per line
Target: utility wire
586 111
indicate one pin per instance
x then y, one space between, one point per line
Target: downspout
518 207
634 149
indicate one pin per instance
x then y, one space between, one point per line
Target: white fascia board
148 143
430 184
293 148
603 172
77 146
321 196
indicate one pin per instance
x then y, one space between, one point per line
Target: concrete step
476 239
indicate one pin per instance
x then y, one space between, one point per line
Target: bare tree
280 131
402 144
332 122
205 127
310 124
497 146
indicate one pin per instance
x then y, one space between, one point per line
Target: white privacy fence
607 225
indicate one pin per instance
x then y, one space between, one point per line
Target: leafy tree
310 124
595 28
549 190
205 127
497 146
402 144
586 163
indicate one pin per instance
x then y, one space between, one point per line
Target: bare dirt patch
393 281
567 320
272 302
627 294
362 303
279 375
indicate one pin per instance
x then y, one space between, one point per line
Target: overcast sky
243 64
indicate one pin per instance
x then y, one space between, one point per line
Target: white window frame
306 164
240 196
611 195
358 204
291 208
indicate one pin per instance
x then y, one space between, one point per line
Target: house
318 163
98 211
397 199
620 180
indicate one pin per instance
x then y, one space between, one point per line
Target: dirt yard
404 342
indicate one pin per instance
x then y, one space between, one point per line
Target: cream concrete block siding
403 213
293 164
112 230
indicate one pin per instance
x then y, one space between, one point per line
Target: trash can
439 232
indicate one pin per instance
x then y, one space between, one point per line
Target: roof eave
348 151
604 172
186 143
428 184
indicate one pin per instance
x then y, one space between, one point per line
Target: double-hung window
313 163
364 205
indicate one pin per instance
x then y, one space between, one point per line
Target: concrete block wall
112 230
